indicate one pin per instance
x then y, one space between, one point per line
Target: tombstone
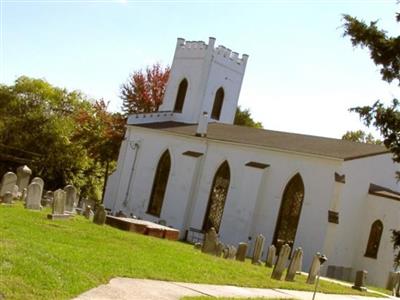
280 265
39 181
314 269
294 265
258 249
7 183
220 249
229 252
88 213
359 284
270 256
49 197
7 198
58 206
210 242
15 192
33 196
23 176
198 246
70 202
100 215
23 194
241 252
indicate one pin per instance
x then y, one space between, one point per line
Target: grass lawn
43 259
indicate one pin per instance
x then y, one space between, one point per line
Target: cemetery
53 248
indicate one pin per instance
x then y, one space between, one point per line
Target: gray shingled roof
300 143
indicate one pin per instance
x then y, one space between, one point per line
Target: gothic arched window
374 239
217 198
218 101
159 184
289 212
180 97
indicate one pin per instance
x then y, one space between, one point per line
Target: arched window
216 201
159 185
218 101
289 212
180 97
374 239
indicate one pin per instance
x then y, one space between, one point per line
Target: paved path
145 289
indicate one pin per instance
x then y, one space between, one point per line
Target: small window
180 97
218 101
159 185
374 239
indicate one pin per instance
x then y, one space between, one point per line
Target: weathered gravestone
33 196
88 213
281 262
270 256
198 246
258 249
100 215
15 192
241 252
23 176
23 194
294 265
41 183
314 269
58 206
7 198
229 252
48 198
220 249
393 283
359 284
70 202
210 242
7 183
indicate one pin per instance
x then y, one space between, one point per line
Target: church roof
286 141
381 191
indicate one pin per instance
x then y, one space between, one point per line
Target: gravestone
229 252
359 283
88 213
280 265
198 246
33 196
23 176
15 192
314 269
7 183
210 242
7 198
241 252
100 215
270 256
40 182
23 194
58 206
220 249
70 202
294 265
258 249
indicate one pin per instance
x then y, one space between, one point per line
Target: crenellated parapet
154 117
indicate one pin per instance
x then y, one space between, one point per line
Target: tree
385 53
361 137
144 91
243 118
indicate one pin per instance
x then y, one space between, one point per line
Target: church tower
204 78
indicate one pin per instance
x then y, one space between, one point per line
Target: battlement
200 48
155 117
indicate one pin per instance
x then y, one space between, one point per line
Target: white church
189 167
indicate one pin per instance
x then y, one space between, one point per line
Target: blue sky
302 75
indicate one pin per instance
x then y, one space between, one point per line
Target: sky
302 75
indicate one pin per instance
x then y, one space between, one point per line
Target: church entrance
289 213
217 198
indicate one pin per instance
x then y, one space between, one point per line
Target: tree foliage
66 137
243 118
361 137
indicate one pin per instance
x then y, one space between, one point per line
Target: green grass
43 259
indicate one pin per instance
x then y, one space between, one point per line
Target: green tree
385 53
361 137
243 118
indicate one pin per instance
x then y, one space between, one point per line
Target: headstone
258 249
241 252
229 252
280 265
23 176
220 249
88 213
294 265
49 197
270 256
15 192
314 269
7 183
7 198
210 242
23 194
58 206
198 246
39 181
33 196
70 202
359 283
100 215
